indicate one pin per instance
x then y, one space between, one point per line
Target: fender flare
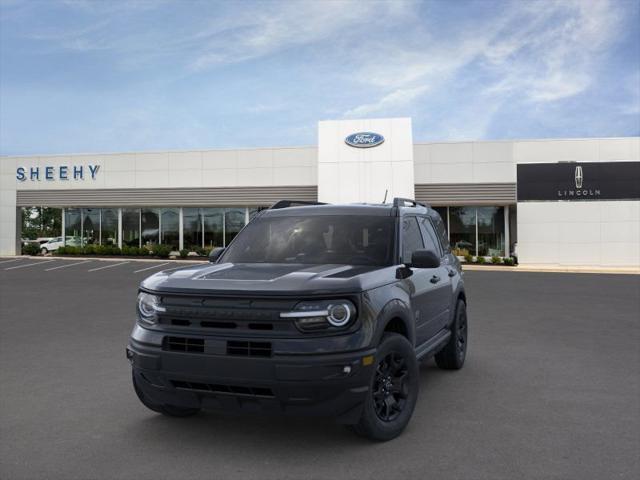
395 309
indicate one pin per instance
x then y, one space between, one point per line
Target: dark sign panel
576 181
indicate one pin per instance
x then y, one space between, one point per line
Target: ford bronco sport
311 310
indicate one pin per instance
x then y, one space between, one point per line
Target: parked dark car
311 310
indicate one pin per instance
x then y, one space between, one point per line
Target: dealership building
560 202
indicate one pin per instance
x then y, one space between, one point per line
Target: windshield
349 240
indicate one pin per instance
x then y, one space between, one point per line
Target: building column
477 249
18 235
64 227
507 240
119 227
180 230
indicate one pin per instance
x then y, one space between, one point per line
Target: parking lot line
176 268
30 264
108 266
150 268
9 261
65 266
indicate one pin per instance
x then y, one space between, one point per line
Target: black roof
380 209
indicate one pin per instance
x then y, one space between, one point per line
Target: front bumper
332 385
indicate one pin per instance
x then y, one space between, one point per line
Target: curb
553 269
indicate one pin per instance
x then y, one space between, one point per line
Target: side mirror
215 254
424 259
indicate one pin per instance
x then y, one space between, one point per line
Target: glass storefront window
462 224
192 228
213 227
109 226
442 211
490 231
90 226
73 227
234 220
131 227
150 221
170 227
253 211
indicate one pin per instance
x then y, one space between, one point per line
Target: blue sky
104 76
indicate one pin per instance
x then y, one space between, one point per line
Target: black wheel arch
395 317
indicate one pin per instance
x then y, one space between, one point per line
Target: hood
270 279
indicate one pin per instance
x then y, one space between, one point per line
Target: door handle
435 279
452 272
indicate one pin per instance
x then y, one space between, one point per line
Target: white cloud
396 99
256 33
534 51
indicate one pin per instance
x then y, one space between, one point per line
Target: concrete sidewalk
553 269
465 266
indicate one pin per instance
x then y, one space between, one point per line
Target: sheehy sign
60 172
576 181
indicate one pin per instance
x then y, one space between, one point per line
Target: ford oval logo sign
364 139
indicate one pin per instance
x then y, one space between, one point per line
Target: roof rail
401 202
292 203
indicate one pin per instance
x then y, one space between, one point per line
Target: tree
41 222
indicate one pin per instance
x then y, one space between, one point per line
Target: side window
441 231
430 240
411 238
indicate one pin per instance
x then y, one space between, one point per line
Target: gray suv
312 309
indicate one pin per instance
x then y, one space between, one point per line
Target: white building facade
565 202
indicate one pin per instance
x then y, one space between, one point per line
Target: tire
453 355
168 410
389 404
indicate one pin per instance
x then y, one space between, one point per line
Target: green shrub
508 261
162 251
481 260
468 258
89 250
68 250
31 249
131 251
183 253
200 251
496 260
460 252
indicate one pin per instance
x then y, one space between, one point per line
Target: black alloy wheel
461 336
390 390
393 390
454 353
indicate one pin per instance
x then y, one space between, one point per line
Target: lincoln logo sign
364 139
61 172
568 181
579 177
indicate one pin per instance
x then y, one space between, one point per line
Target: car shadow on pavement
222 431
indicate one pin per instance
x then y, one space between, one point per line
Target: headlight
322 315
148 308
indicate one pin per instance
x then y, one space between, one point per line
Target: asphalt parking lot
551 389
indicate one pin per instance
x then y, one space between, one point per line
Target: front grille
183 344
237 316
249 349
230 389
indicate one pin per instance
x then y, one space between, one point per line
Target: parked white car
57 242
